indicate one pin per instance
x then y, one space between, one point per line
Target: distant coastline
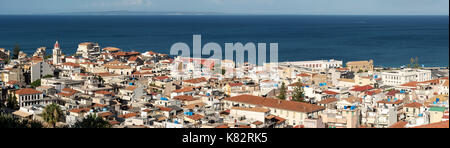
390 40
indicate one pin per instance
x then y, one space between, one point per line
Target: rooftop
276 103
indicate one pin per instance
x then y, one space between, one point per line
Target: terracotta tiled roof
27 91
151 53
257 123
443 124
400 124
104 92
134 58
391 102
106 74
342 69
12 82
79 110
303 75
114 122
410 84
142 73
195 117
131 88
330 92
184 98
276 103
71 64
435 81
99 105
329 100
185 89
162 78
105 114
69 90
167 109
362 88
256 109
414 105
244 126
36 59
373 92
276 118
195 81
129 115
235 84
392 92
65 94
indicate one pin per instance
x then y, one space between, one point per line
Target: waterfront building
360 66
403 76
317 65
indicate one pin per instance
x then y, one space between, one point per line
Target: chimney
279 101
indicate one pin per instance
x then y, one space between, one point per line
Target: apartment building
399 77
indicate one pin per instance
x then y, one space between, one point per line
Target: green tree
9 121
7 60
100 79
92 121
16 51
12 102
48 76
52 114
282 94
36 83
224 71
47 57
299 93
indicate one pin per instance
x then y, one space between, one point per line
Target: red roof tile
362 88
443 124
27 91
276 103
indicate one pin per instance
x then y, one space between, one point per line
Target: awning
22 114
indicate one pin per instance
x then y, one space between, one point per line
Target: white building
88 49
399 77
40 70
29 97
250 114
318 64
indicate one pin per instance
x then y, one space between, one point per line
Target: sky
325 7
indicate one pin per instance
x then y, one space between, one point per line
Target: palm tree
52 114
92 121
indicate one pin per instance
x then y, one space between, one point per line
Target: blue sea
388 40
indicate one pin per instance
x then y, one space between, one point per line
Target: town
114 88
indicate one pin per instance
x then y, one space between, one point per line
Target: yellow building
356 66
